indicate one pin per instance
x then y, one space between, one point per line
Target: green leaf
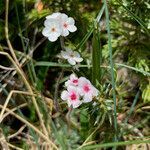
96 56
86 37
146 94
136 18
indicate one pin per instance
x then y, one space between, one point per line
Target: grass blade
112 68
55 64
116 144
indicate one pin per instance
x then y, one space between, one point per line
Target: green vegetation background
130 31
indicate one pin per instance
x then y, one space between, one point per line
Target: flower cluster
78 91
72 57
58 24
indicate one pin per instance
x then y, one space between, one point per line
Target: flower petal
64 55
65 32
69 103
76 54
54 15
72 28
51 22
46 32
94 91
76 104
71 61
52 38
87 98
70 21
82 81
73 76
77 59
64 95
67 83
72 89
64 17
68 50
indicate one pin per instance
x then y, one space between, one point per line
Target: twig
29 89
7 35
7 101
18 132
3 141
14 147
6 68
14 109
31 126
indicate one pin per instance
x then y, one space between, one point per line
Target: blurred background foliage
131 46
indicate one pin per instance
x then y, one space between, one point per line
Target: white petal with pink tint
72 28
87 90
73 81
65 32
72 96
72 57
79 90
60 24
76 104
87 98
64 95
71 61
67 24
54 16
52 29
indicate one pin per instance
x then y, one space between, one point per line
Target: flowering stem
59 78
57 89
62 43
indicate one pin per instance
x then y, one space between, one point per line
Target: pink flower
72 96
73 81
87 90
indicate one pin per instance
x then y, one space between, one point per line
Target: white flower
72 97
72 57
67 24
87 90
52 29
73 81
58 24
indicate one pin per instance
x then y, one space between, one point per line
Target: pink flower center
75 81
86 88
65 25
73 96
71 55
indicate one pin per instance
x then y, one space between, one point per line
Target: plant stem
7 35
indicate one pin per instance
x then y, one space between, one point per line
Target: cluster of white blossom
58 24
78 91
71 56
